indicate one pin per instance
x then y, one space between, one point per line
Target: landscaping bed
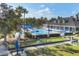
61 50
43 41
39 41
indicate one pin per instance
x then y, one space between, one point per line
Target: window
66 28
77 29
70 28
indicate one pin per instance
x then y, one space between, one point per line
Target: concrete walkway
41 46
4 51
53 44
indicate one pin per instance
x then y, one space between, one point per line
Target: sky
49 9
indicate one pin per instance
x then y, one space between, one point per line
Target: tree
19 11
11 20
24 11
4 29
4 26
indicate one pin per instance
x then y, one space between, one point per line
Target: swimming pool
48 31
39 32
44 32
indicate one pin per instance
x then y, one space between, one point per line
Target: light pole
48 29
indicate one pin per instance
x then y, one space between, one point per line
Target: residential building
67 25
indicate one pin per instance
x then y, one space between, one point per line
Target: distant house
69 25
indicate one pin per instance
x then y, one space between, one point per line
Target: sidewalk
42 46
4 51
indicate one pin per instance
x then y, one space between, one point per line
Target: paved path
52 44
41 46
4 51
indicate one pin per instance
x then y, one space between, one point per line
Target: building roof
77 23
70 22
26 26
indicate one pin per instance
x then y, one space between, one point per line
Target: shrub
11 46
54 51
1 36
74 49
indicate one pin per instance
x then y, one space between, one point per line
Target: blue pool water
45 32
39 32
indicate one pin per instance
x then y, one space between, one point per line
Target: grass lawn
46 40
61 50
10 46
39 41
74 49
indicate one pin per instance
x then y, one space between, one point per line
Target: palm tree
25 12
19 11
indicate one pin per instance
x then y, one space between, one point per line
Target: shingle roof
71 22
77 23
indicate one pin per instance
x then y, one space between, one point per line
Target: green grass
74 49
59 50
64 53
54 51
55 39
10 46
41 41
